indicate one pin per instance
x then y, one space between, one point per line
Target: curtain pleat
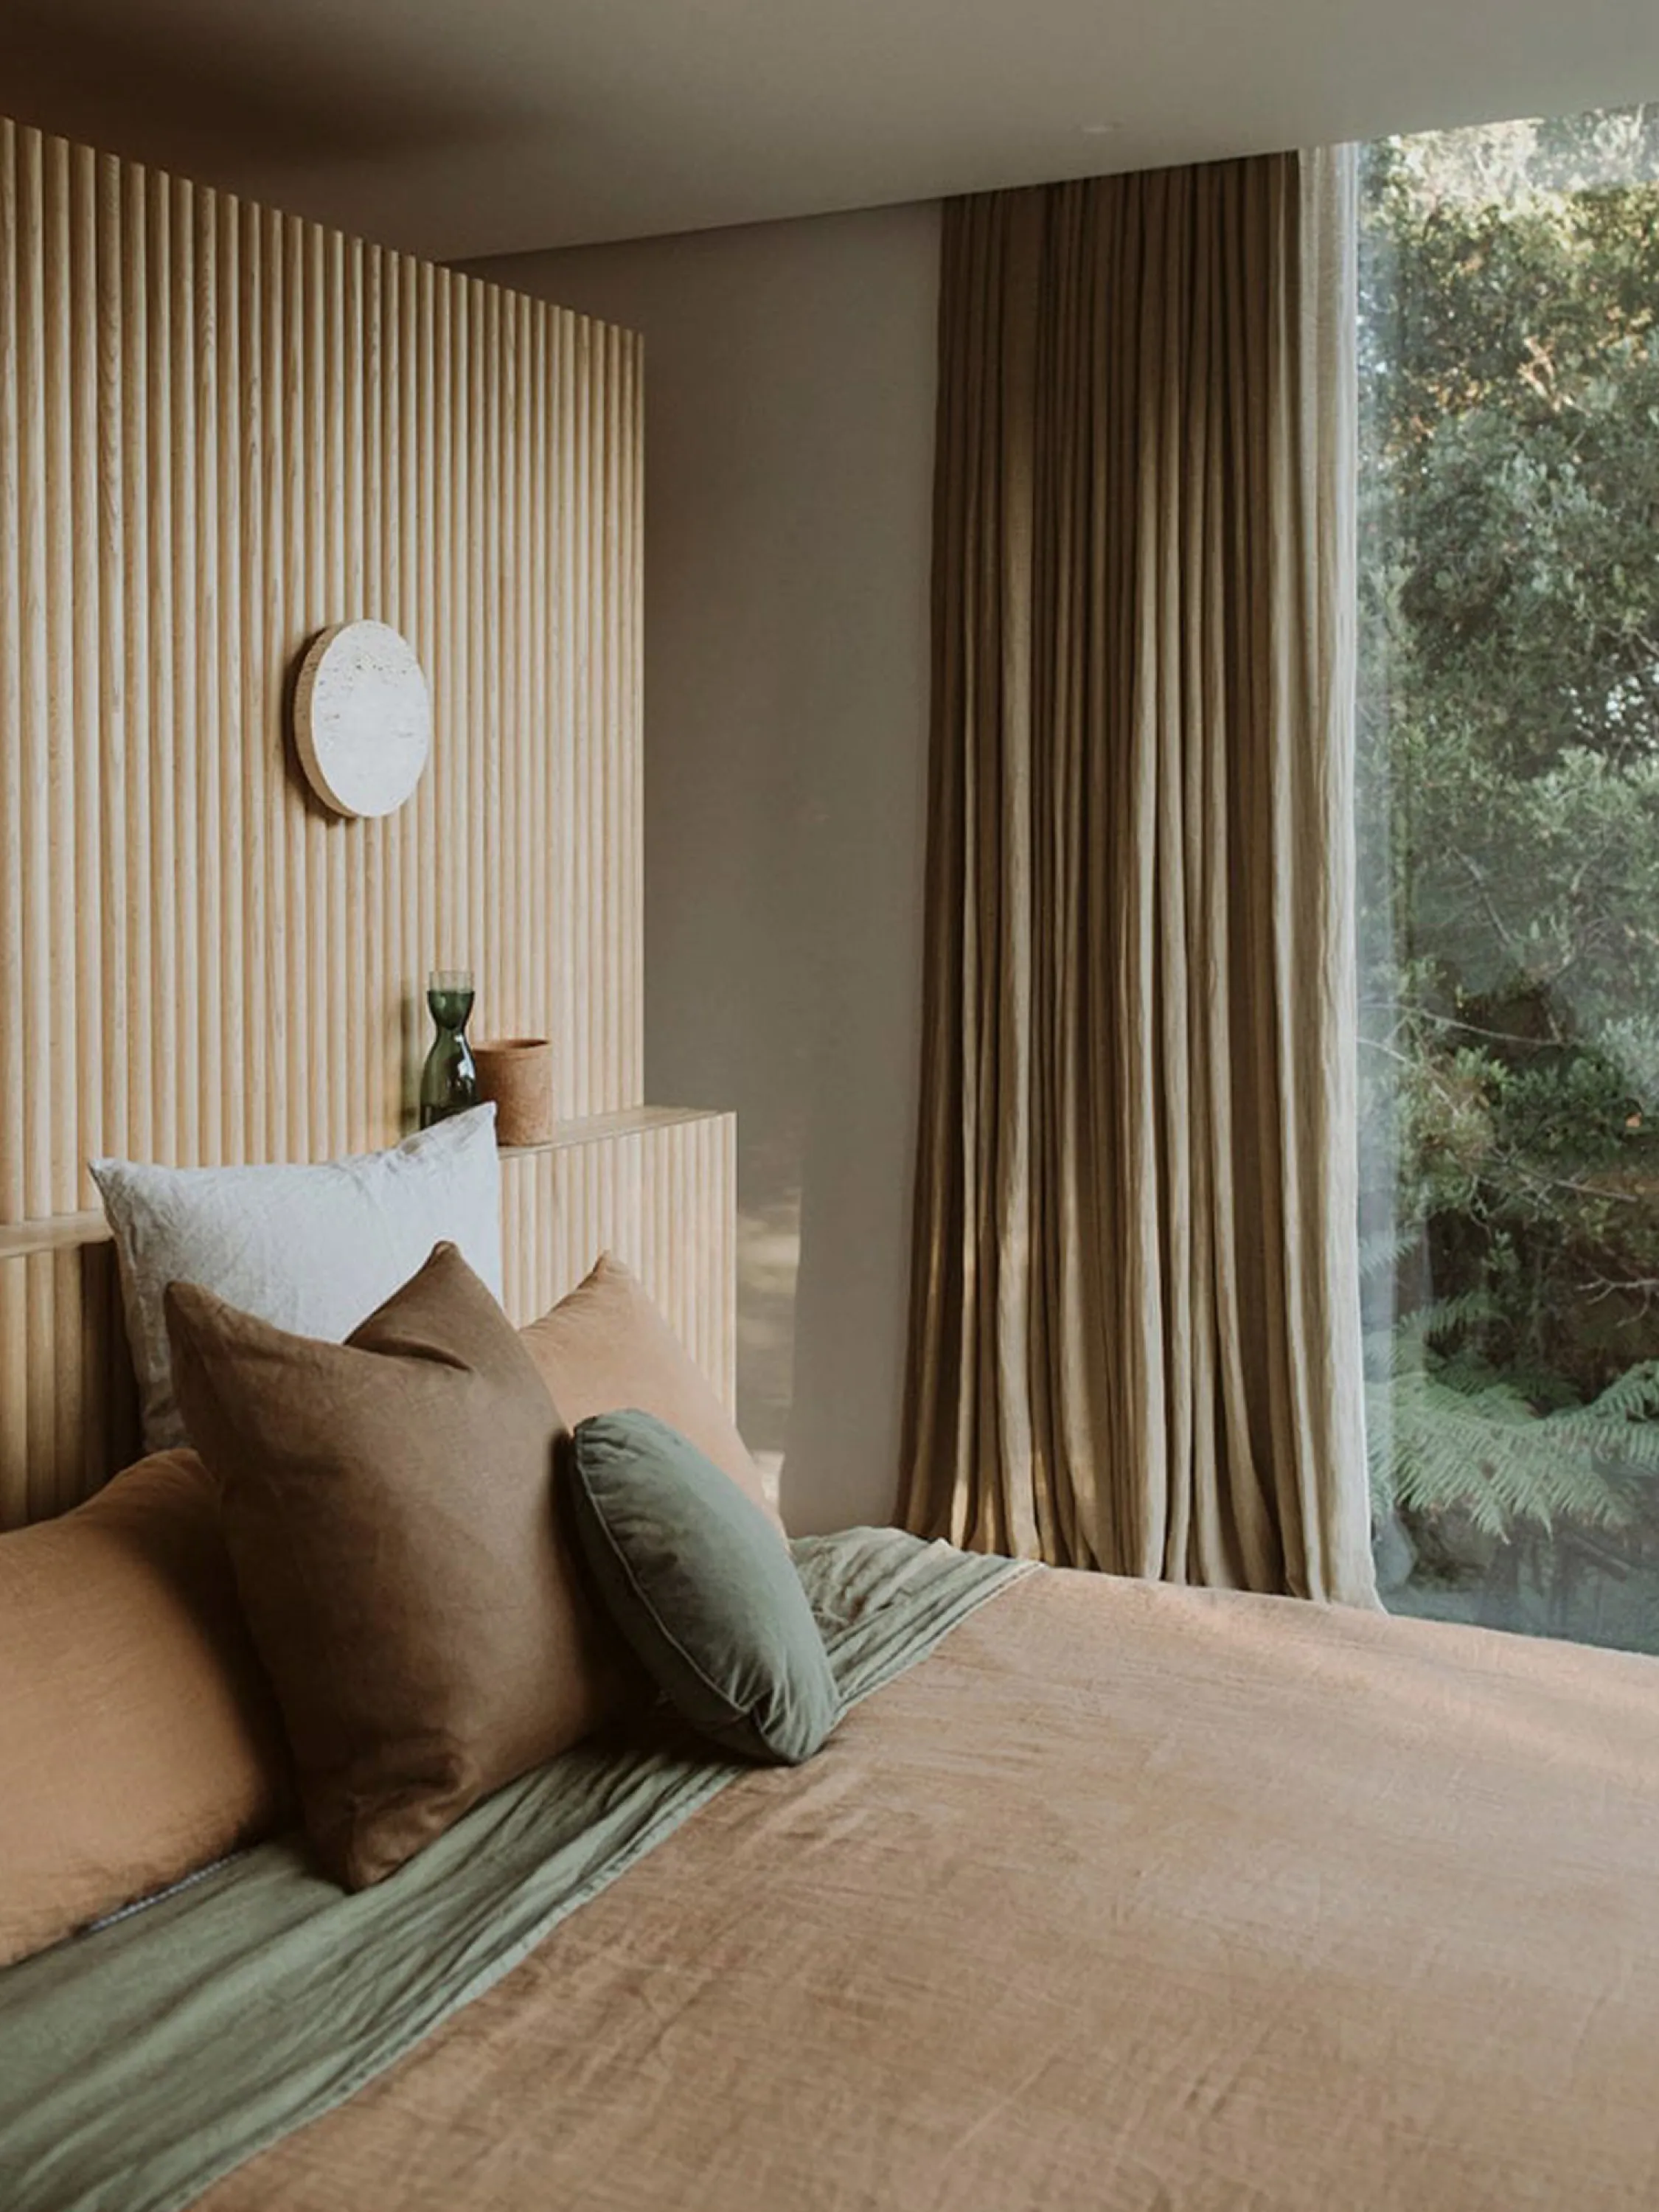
1135 1336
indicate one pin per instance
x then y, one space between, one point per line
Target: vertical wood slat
220 430
664 1199
30 1122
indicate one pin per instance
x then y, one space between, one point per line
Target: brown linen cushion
389 1508
138 1738
606 1349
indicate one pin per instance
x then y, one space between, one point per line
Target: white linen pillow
311 1250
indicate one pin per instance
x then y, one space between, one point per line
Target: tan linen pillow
389 1508
606 1349
138 1738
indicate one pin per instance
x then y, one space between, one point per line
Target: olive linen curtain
1135 1338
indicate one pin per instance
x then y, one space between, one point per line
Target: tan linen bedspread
1126 1897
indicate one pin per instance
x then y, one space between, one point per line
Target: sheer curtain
1135 1338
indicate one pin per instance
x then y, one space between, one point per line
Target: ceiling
469 127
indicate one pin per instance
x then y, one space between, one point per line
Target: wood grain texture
662 1196
657 1188
222 429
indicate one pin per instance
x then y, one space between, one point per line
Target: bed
1101 1895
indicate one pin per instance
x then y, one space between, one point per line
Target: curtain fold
1135 1339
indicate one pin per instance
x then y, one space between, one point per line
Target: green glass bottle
449 1081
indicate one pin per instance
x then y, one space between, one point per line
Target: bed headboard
655 1185
222 429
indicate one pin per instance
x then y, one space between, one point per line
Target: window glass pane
1510 842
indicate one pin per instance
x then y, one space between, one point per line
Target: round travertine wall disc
362 718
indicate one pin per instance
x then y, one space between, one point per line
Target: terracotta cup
517 1073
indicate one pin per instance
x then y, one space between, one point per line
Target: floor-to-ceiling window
1510 851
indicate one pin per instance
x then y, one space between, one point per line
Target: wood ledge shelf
632 1121
65 1232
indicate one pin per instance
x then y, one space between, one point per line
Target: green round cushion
702 1588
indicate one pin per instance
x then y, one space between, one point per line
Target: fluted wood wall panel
68 1406
220 429
665 1199
661 1194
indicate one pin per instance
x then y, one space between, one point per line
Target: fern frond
1632 1396
1445 1318
1481 1447
1380 1254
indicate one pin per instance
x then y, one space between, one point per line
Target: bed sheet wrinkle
142 2062
1240 1959
1208 2033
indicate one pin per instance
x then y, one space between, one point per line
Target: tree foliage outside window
1510 840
